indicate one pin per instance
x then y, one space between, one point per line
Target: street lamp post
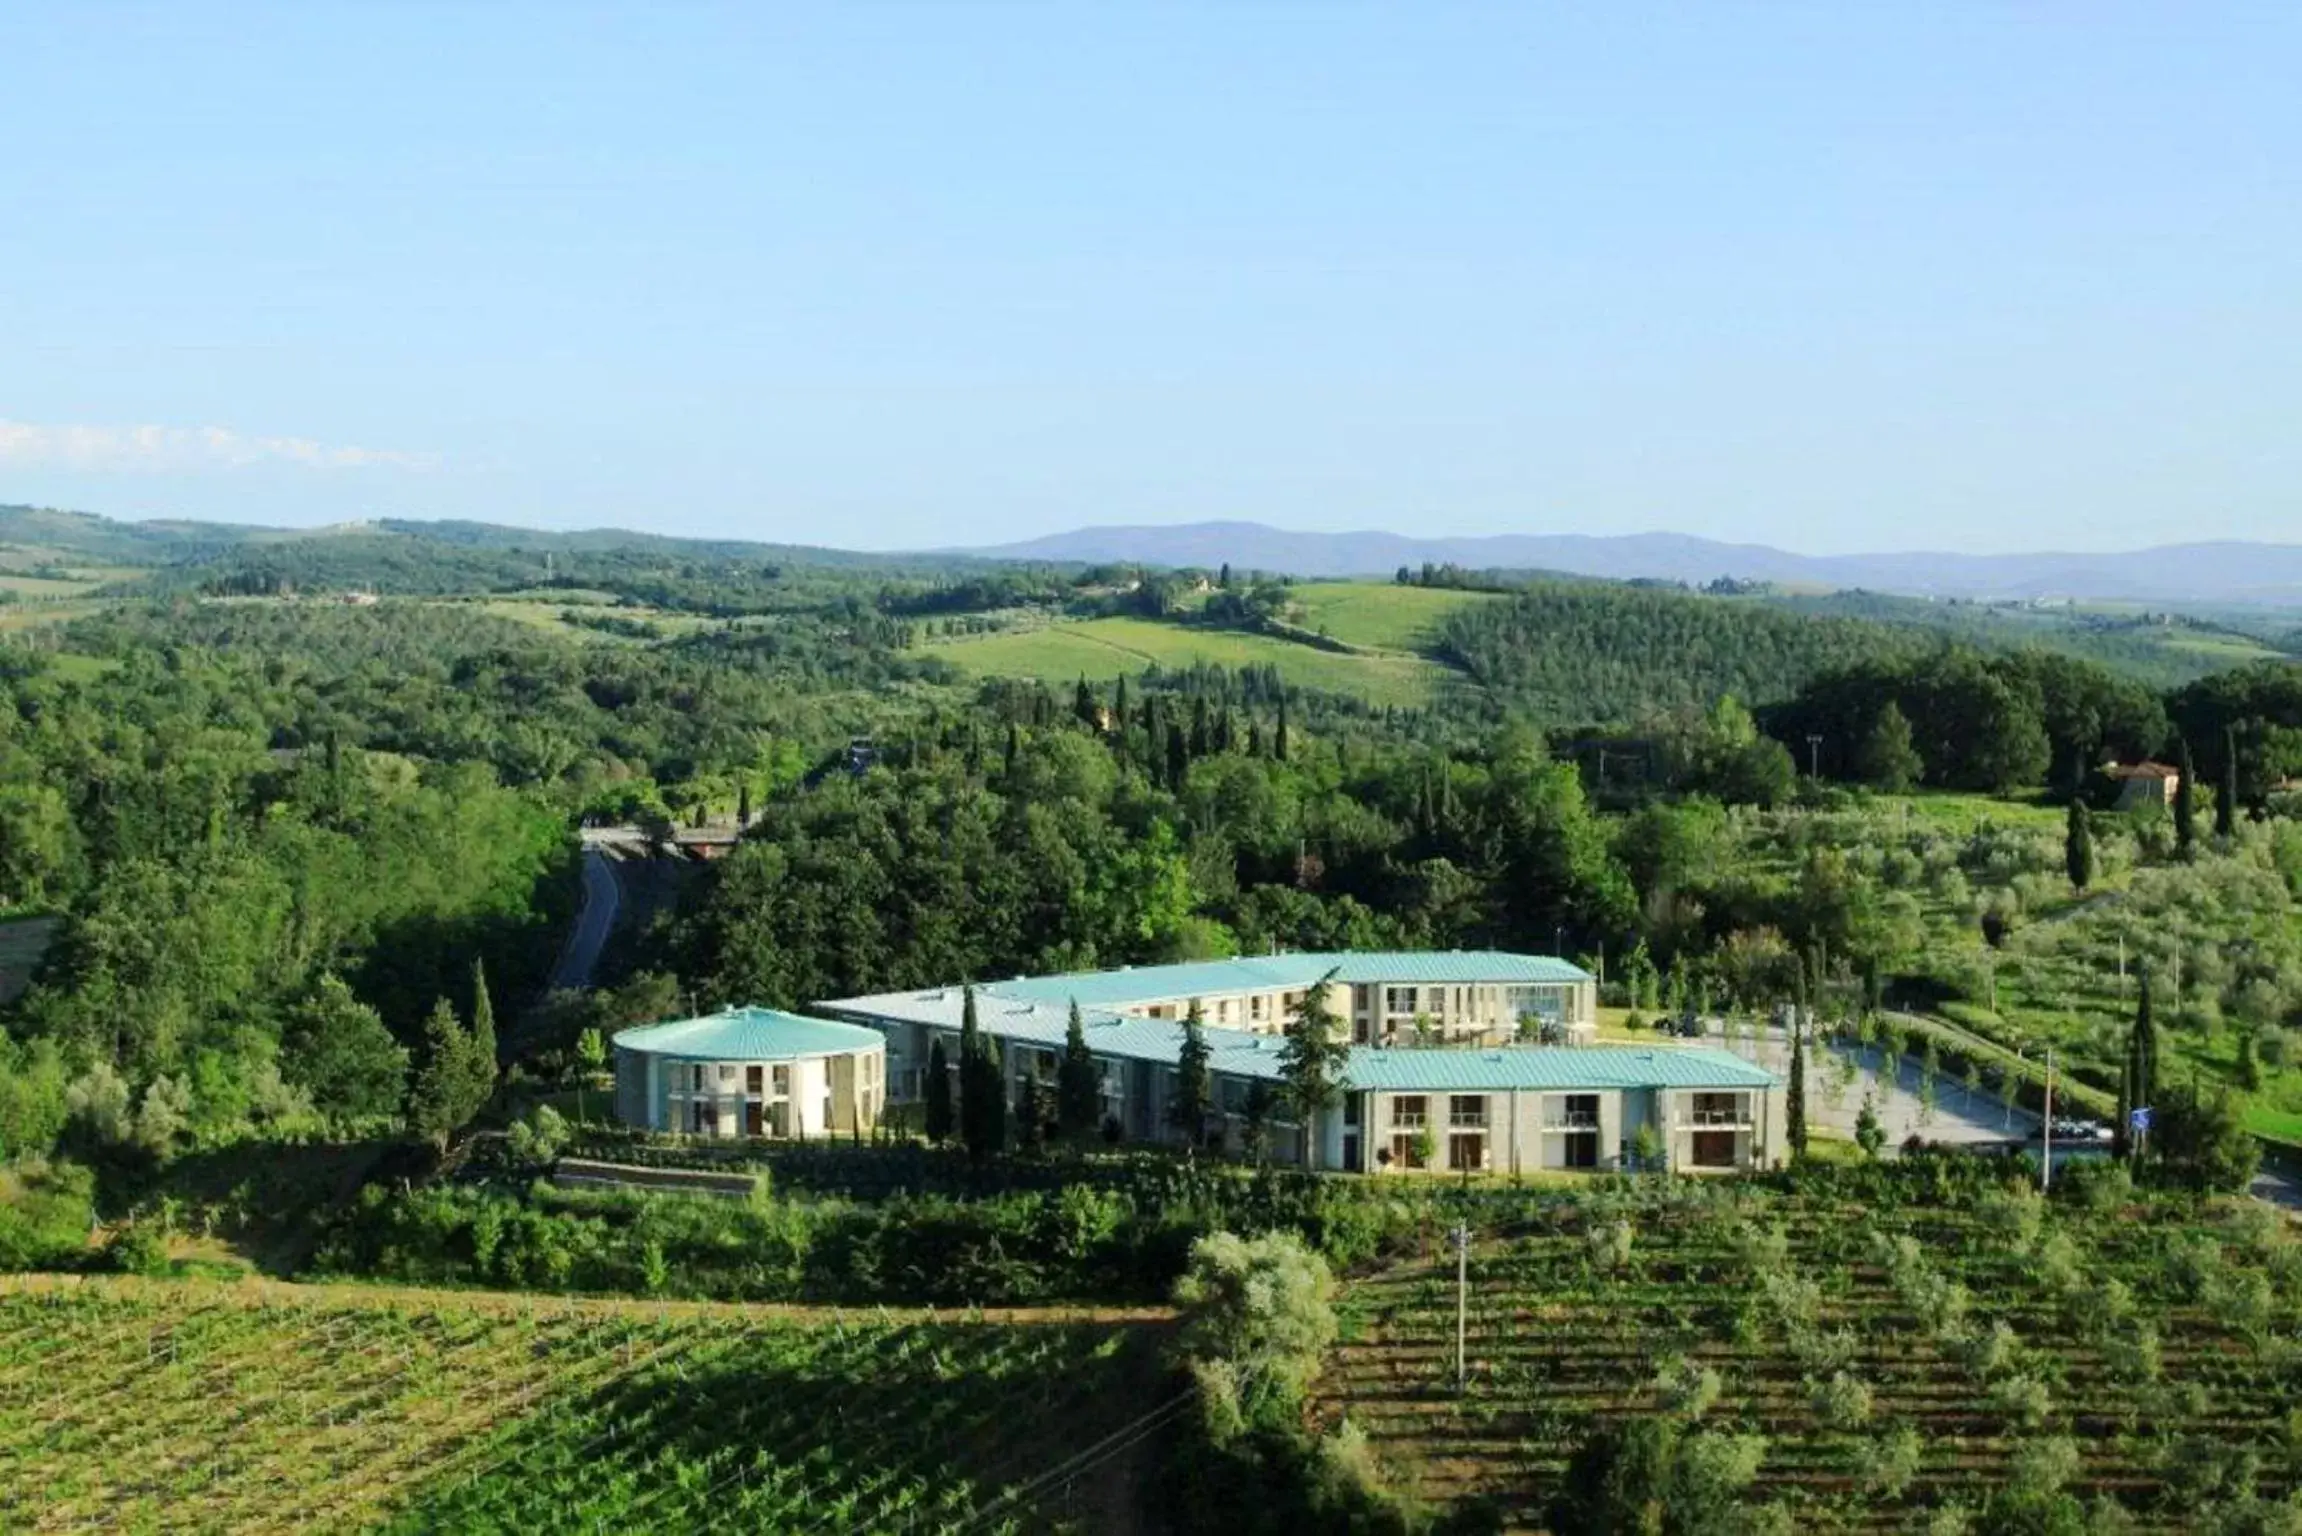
1460 1236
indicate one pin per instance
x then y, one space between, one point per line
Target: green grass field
1381 615
1104 648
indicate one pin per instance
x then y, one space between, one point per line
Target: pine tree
1885 758
2185 805
1078 1086
2078 846
1311 1062
437 1098
2226 802
1188 1106
938 1090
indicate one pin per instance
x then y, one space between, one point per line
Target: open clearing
194 1406
1382 615
1104 648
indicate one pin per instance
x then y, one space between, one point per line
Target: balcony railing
1467 1121
1720 1118
1571 1120
1409 1123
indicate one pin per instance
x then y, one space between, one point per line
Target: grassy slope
1381 615
191 1405
1103 648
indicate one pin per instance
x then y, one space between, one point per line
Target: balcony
1715 1119
1467 1121
1571 1120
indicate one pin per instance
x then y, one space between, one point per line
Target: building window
754 1078
1467 1152
1714 1149
1467 1111
1726 1109
1407 1151
1351 1109
727 1073
1399 1000
1574 1112
1410 1111
782 1082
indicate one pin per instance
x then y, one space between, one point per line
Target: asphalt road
602 897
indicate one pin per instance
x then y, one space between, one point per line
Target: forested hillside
1586 653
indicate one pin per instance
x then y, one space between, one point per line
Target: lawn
1062 653
199 1406
1381 615
1892 1350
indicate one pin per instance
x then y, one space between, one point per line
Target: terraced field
1061 653
189 1407
2164 1346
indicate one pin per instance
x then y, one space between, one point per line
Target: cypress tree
938 1110
1178 759
2078 846
1083 704
743 806
2185 805
1279 739
2138 1083
1202 731
982 1103
480 1057
1030 1116
1187 1107
1119 706
1014 749
1078 1086
2226 802
1796 1098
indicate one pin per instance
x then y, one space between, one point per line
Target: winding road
602 898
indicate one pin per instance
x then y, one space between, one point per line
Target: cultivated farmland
1893 1354
202 1407
1061 653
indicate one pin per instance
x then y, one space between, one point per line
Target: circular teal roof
749 1034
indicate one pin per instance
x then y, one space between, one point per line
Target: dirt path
260 1292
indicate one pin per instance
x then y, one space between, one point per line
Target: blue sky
1825 276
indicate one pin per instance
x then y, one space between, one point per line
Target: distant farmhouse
2141 784
1440 1076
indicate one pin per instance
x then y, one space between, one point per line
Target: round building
751 1072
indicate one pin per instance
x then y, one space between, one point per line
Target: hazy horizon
1832 282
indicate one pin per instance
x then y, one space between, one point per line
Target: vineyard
148 1407
1880 1358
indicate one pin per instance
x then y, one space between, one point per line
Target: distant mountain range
2231 572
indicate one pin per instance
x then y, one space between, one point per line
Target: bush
47 1210
1261 1307
139 1248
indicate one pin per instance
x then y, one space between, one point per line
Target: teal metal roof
1443 1070
1242 1053
1258 973
749 1034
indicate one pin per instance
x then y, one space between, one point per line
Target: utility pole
1460 1236
1814 757
2046 1129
